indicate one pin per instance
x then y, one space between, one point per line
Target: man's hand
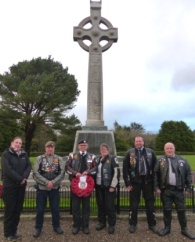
130 188
158 191
50 185
187 193
23 181
111 189
84 173
78 174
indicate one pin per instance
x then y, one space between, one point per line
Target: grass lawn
191 160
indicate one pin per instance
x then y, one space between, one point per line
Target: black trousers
148 195
173 195
169 196
13 198
106 206
80 220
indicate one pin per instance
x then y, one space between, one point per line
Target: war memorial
94 131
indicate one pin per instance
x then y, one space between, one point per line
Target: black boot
167 221
164 231
187 234
183 224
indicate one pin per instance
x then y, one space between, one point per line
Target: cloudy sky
149 74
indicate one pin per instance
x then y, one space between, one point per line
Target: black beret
83 141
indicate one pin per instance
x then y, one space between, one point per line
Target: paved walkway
142 234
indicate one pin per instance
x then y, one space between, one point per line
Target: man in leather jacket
172 178
138 174
81 164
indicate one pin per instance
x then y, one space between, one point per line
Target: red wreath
1 190
82 192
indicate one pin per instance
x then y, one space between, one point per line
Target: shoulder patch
116 160
182 161
149 154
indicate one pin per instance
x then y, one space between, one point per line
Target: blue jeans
54 202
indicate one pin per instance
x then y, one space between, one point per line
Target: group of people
170 176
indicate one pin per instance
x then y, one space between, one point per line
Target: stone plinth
95 138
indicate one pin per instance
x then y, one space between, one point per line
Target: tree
65 140
149 140
136 127
124 135
178 133
43 133
9 130
37 92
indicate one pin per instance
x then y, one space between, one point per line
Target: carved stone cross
95 34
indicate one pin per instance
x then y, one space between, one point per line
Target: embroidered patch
116 160
132 159
89 158
55 160
182 161
132 173
162 162
75 156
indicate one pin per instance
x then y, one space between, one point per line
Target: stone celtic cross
95 34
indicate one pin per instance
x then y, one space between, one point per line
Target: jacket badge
132 159
132 173
116 160
55 160
89 158
75 156
162 162
182 161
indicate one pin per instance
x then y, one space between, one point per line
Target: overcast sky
148 75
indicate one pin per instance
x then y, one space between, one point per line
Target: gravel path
142 234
